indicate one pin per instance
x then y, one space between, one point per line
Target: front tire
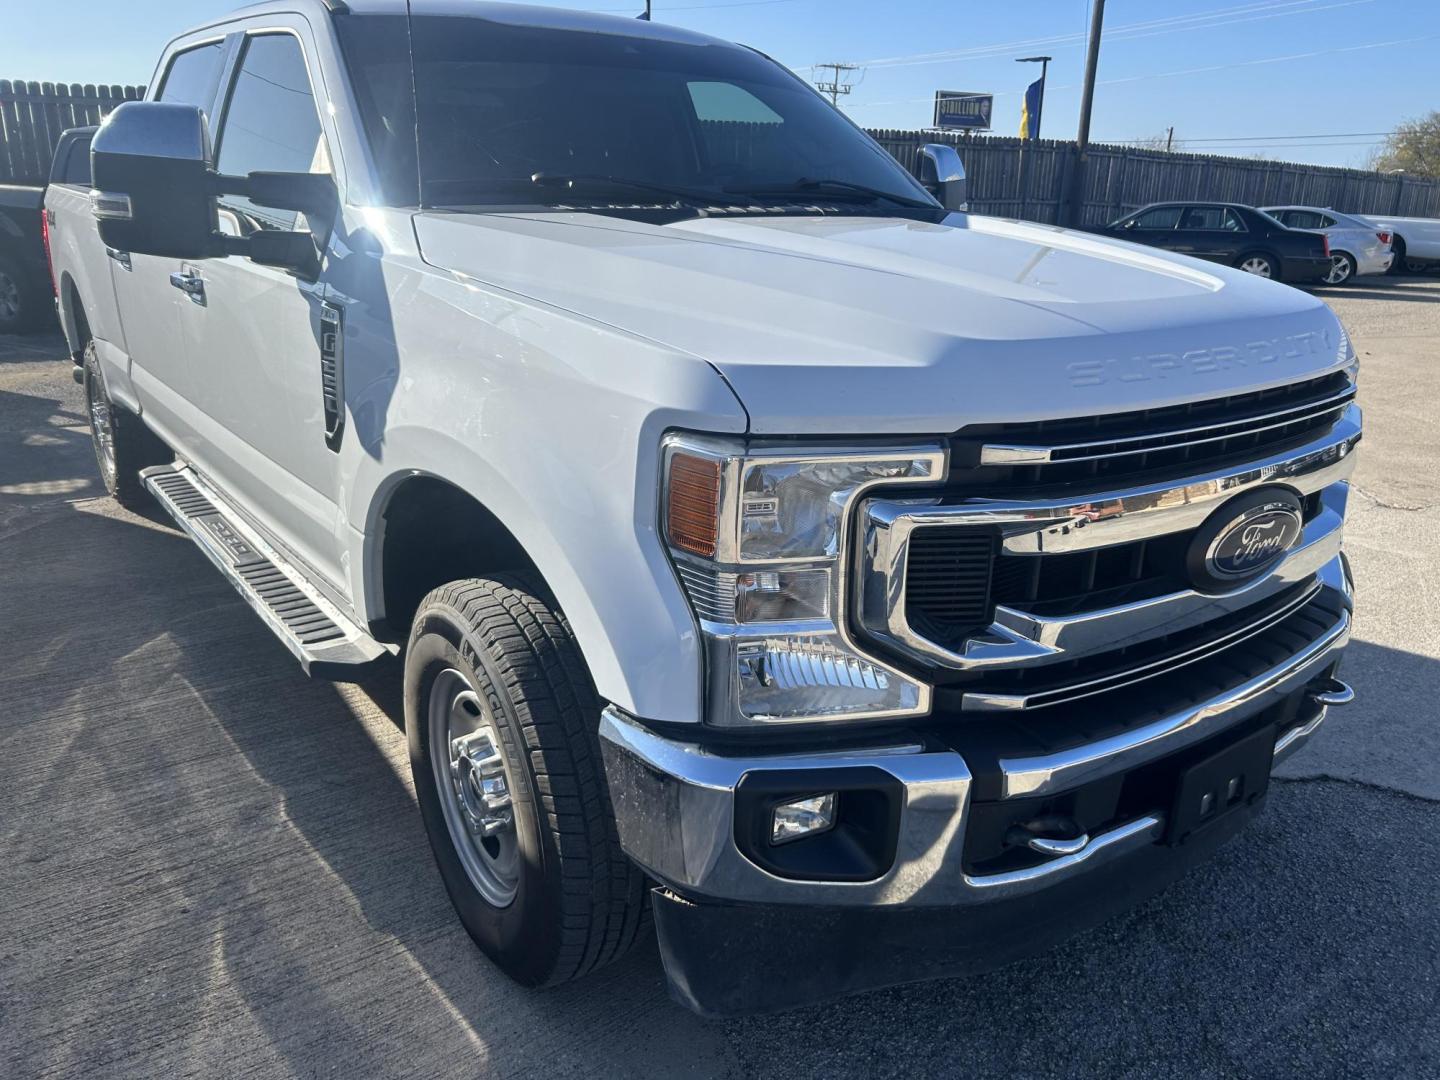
123 444
1342 269
1259 264
502 723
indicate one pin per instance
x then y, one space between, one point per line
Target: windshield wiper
595 184
828 186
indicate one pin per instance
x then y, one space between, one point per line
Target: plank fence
1011 178
33 114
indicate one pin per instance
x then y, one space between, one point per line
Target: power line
696 7
1127 31
1396 43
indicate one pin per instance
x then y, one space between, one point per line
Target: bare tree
1414 147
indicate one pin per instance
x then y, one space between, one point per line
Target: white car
1356 246
1415 240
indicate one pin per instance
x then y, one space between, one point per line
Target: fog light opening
799 818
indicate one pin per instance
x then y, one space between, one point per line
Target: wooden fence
1035 183
32 116
1007 177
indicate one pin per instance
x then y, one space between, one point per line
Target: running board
327 644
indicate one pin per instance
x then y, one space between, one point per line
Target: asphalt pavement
211 865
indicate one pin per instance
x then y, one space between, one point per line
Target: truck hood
877 325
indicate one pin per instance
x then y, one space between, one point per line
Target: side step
327 644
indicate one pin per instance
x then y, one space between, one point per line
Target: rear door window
193 75
1205 218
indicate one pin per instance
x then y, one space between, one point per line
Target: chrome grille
1080 572
1175 439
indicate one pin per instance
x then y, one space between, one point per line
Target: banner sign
957 109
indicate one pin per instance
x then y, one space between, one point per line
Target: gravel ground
209 863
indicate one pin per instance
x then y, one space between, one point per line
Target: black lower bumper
1303 270
737 959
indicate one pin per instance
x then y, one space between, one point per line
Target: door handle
121 257
190 283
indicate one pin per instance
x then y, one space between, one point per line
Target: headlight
758 536
1347 355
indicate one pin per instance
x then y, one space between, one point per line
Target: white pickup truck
1415 241
866 590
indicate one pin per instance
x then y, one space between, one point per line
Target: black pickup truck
26 292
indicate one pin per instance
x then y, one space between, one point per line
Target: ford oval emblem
1244 539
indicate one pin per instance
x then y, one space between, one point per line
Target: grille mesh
947 577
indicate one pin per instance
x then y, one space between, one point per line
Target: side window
1325 221
192 76
1162 217
1301 219
77 163
1233 222
1203 217
270 125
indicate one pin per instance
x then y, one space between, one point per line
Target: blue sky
1230 75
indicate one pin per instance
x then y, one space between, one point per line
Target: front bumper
931 911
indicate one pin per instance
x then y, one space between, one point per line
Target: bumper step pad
327 644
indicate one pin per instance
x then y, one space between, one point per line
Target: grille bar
1132 674
1330 408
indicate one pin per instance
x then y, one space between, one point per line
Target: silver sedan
1355 247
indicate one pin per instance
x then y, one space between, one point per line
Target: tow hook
1049 836
1331 692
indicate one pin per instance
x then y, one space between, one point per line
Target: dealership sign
958 109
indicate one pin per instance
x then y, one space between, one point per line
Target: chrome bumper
675 801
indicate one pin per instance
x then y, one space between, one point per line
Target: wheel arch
635 632
73 321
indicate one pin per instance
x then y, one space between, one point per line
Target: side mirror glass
150 171
943 175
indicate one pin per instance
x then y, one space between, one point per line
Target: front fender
554 425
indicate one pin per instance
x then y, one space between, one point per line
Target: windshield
517 115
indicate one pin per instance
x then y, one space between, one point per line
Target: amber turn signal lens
693 513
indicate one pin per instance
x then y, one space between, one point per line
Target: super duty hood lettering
1251 356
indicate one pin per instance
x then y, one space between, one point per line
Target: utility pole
1087 101
835 87
1169 137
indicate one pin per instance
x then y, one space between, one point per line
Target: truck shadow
244 844
262 853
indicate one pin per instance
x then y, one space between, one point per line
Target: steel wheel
10 301
102 427
473 789
1340 270
1258 265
